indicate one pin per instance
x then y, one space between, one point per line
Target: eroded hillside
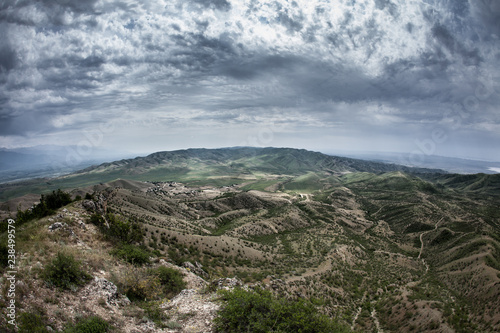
376 247
373 250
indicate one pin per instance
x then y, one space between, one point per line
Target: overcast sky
418 77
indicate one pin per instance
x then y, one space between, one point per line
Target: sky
417 77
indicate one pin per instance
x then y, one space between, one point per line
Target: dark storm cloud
444 36
65 63
7 57
488 14
258 65
217 4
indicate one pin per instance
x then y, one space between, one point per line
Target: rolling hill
223 166
379 247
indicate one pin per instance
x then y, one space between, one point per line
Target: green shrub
139 284
174 255
31 323
4 255
171 280
65 272
259 311
153 311
56 199
4 225
132 254
146 284
118 229
93 324
47 206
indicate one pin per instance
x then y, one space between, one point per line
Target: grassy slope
360 235
353 243
204 166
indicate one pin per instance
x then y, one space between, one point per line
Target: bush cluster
4 255
65 272
92 324
47 206
28 322
132 254
170 280
117 229
148 284
259 311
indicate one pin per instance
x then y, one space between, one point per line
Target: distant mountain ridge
449 164
279 160
244 165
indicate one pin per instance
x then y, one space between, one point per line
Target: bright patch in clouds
377 74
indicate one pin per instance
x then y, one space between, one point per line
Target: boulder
57 225
103 289
195 269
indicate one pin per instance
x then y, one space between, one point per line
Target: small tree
132 254
171 280
65 272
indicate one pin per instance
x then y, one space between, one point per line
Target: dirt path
357 312
378 211
422 241
421 245
375 320
306 196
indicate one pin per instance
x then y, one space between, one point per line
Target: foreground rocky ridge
192 310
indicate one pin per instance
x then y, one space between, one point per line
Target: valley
380 248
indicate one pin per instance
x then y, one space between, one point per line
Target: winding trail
375 320
422 245
357 312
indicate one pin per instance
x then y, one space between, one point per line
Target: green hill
377 246
223 166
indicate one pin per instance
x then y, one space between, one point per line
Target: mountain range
379 247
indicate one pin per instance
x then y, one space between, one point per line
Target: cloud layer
363 75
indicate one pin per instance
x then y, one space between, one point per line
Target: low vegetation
342 249
116 228
65 272
149 284
260 311
92 324
132 254
47 206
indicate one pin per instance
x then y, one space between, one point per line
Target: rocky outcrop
227 283
103 289
61 226
197 268
98 205
57 225
192 310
